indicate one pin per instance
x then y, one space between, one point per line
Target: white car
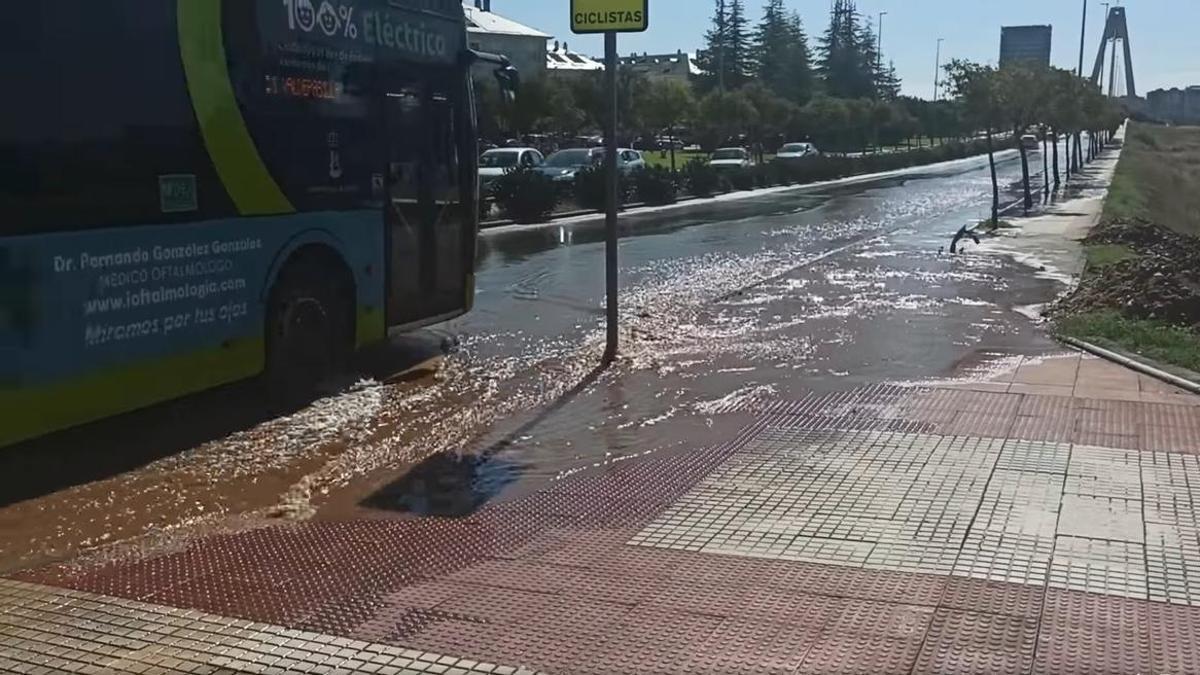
726 159
495 163
1030 142
791 152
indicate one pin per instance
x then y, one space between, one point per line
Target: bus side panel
101 322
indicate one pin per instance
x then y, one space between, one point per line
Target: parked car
494 163
564 164
791 152
1030 142
728 159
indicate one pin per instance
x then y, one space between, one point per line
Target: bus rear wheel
309 329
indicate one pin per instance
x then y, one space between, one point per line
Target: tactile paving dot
968 642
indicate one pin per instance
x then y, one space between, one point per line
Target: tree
727 52
716 48
845 61
773 115
975 86
799 81
888 83
772 48
665 104
740 65
723 116
1021 92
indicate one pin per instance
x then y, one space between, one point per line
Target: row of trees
760 86
1055 102
777 55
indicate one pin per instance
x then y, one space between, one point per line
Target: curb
1132 364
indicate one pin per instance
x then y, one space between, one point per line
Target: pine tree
847 54
772 46
799 70
867 58
780 54
739 65
889 83
712 59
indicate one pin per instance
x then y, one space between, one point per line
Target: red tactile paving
992 597
1084 633
961 642
870 637
547 579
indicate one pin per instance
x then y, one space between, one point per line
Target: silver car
563 165
497 162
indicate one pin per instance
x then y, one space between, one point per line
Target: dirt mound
1162 282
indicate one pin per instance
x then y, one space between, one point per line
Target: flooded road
826 288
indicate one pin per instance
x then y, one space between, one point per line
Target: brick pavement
1041 522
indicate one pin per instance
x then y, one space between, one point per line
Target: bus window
404 158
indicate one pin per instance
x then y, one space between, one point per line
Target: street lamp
879 50
937 70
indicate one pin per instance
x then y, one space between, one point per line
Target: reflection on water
824 291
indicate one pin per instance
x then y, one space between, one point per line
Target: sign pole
611 200
610 17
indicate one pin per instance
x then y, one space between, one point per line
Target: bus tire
310 326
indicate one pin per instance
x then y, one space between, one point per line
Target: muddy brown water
822 290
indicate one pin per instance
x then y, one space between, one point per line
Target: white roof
561 58
479 21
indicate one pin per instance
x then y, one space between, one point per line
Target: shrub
742 179
526 195
654 186
702 180
590 190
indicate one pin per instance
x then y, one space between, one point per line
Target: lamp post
1083 37
879 50
937 70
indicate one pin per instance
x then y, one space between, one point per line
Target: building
561 62
1177 106
1028 45
489 32
679 66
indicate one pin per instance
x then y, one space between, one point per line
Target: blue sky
1162 32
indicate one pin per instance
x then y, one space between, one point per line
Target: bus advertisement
194 192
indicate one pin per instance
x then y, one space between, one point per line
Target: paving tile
1099 566
1087 633
1092 517
990 597
972 642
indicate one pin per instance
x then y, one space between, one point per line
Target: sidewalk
1042 521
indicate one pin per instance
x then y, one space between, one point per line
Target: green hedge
528 196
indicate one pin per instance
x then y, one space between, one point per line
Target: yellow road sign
603 16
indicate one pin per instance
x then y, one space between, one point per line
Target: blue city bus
195 192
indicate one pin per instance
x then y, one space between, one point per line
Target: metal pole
610 201
937 70
879 49
1083 37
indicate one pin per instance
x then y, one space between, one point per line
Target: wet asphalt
820 289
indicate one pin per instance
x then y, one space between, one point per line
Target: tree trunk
1046 165
995 180
1024 170
671 140
1057 180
